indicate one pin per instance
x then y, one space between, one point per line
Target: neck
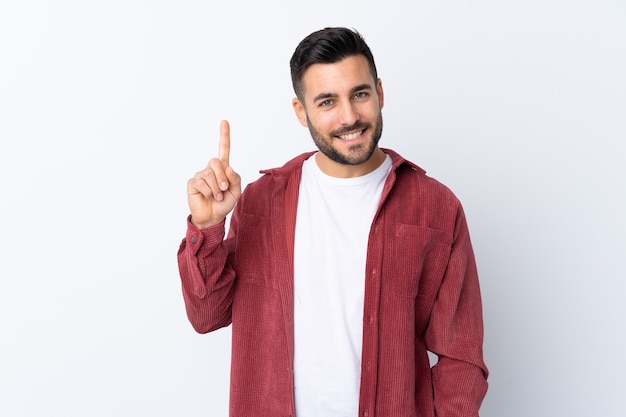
339 170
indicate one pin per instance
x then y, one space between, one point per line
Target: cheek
370 110
322 121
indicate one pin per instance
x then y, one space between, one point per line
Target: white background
106 108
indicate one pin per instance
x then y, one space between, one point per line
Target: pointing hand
213 192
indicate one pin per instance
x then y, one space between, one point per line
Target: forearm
455 333
458 388
207 277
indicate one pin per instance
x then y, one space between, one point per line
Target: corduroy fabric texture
421 294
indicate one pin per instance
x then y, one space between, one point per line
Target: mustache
348 129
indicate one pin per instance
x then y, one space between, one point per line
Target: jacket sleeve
455 332
207 275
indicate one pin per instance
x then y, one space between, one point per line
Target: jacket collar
296 163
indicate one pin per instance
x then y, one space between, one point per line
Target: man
342 268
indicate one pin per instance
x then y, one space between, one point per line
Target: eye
326 103
361 94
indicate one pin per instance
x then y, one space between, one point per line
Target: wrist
206 224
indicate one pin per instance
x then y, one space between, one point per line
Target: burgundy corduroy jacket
421 294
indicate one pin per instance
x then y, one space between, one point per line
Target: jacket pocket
418 256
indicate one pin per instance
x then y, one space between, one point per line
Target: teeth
351 136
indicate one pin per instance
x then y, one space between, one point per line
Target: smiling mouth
351 136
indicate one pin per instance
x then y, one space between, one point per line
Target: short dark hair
327 46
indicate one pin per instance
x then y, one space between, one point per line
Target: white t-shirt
332 229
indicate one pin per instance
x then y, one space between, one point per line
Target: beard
357 154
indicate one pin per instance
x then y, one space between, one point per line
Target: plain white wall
106 108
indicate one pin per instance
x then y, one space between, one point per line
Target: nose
348 114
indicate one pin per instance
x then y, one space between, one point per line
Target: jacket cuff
198 244
200 241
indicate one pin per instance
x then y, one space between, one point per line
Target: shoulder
412 179
416 198
273 181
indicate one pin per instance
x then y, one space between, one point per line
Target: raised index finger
224 151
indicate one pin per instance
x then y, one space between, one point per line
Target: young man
342 268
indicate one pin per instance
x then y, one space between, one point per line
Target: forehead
337 78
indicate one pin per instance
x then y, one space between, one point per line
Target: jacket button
194 240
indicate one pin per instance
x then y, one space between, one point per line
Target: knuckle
200 174
193 182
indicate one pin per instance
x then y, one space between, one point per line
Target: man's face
341 107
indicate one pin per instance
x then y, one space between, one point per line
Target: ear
381 94
298 107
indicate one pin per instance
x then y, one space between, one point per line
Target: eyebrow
323 96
